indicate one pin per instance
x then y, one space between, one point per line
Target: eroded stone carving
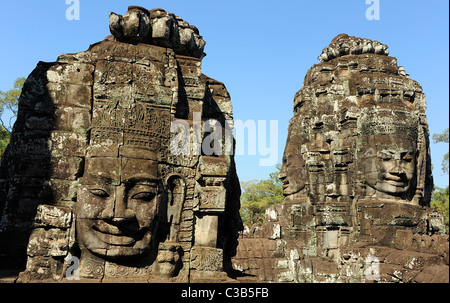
118 200
357 176
159 28
389 155
357 130
90 150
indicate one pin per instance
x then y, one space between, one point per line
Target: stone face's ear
176 194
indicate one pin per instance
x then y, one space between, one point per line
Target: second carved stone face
293 170
118 201
292 173
390 166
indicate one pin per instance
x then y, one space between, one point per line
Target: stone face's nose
397 168
282 175
121 213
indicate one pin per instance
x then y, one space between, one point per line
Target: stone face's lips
394 178
106 228
116 240
397 183
111 234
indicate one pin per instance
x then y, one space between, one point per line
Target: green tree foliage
440 196
4 139
439 201
258 195
9 102
443 138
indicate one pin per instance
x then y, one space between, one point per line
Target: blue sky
260 49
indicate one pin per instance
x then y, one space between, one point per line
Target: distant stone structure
357 179
89 181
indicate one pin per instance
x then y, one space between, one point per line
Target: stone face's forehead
114 171
138 153
102 170
390 142
138 170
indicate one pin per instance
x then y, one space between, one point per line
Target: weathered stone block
157 94
48 242
66 168
153 73
212 199
63 143
206 258
205 230
26 144
111 72
112 92
62 190
72 119
70 95
77 73
54 216
36 166
146 53
213 166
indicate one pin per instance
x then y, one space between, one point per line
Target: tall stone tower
357 178
105 170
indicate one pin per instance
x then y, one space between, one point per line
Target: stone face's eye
99 192
145 196
386 158
407 158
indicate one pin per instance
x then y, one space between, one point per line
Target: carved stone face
118 200
390 165
292 172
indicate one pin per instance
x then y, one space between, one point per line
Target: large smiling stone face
390 165
118 201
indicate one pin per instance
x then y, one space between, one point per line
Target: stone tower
106 172
357 178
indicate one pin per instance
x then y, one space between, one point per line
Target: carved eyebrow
142 178
393 152
96 179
